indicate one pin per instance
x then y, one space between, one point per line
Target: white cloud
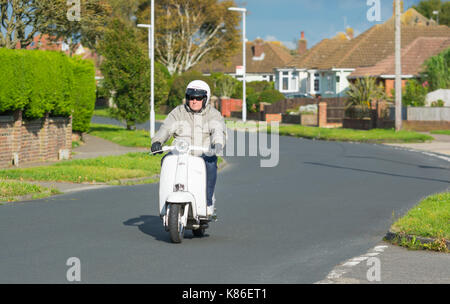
289 44
270 38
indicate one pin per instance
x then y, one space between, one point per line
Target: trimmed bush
36 82
40 82
13 94
83 94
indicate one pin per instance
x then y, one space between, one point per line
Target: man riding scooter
200 124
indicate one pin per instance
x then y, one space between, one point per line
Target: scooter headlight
182 146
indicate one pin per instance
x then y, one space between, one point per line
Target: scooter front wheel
176 227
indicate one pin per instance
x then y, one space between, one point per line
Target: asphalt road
324 203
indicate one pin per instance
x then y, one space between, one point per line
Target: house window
317 85
271 78
285 83
338 79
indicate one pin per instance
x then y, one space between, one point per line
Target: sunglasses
198 98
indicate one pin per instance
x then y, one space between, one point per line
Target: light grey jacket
198 129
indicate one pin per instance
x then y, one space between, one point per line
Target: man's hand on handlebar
157 148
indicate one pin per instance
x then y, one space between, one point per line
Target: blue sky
284 20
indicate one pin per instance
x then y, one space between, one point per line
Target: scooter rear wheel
176 228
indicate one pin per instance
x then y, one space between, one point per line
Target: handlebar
190 148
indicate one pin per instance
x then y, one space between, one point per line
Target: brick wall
274 118
322 114
230 105
389 85
35 140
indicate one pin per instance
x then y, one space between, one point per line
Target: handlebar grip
167 148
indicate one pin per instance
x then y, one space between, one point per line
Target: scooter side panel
167 180
197 183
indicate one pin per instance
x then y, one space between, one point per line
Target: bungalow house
414 56
262 57
325 68
303 73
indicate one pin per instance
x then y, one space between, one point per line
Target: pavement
439 146
389 264
95 147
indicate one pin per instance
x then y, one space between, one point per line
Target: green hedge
40 82
83 94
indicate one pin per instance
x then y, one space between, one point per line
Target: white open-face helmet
198 89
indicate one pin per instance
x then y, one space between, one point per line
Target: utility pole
398 68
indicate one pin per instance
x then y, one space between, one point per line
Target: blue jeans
211 175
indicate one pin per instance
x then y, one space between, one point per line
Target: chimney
258 48
302 45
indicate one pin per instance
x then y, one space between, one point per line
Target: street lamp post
437 16
244 96
151 47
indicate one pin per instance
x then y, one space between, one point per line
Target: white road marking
380 248
351 264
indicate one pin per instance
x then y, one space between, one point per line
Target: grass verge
340 134
128 169
429 219
444 132
98 170
11 191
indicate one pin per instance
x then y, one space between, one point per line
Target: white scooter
182 192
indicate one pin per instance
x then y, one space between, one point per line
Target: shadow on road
379 172
152 225
397 162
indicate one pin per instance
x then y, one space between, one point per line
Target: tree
426 8
16 16
127 74
414 93
224 84
21 20
189 31
88 29
437 71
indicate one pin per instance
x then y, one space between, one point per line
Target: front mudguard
180 198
